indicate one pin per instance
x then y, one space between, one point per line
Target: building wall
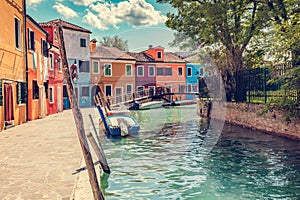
37 71
192 81
145 80
75 52
12 59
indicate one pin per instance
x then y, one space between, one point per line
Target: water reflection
182 159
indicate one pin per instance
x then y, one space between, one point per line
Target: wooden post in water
97 193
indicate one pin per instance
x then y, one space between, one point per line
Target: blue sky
140 22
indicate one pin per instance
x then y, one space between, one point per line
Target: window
46 89
96 69
151 71
85 91
51 58
65 92
140 91
51 94
60 66
189 71
55 35
168 71
108 89
31 45
128 70
159 54
18 33
180 71
128 89
140 71
160 71
84 66
181 88
22 92
189 88
44 49
107 70
35 90
201 72
82 42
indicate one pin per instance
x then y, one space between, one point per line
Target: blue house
193 72
77 46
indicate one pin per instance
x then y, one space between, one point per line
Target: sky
140 22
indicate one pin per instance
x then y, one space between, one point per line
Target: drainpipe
26 58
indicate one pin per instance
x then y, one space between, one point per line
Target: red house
55 73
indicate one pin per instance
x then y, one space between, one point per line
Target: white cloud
65 11
33 2
86 2
134 12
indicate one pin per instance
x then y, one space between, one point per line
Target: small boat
180 103
118 125
118 113
147 105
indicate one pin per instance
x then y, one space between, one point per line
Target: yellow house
12 64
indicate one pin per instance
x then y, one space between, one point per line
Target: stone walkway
38 158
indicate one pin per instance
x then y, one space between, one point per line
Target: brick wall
249 116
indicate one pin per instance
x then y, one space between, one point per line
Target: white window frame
111 89
51 61
137 89
110 69
117 96
51 93
188 72
60 66
137 73
18 42
131 85
153 71
95 61
130 70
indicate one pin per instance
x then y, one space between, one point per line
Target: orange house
12 64
169 70
113 71
37 55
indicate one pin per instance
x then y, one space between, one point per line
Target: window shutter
32 40
24 92
1 96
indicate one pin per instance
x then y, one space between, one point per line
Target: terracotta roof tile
64 24
173 57
141 57
111 53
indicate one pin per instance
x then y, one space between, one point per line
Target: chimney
93 45
150 46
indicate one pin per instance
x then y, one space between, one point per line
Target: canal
177 155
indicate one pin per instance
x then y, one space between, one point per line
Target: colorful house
12 64
76 41
55 73
193 72
113 71
37 57
157 68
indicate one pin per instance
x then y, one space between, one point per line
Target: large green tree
115 42
230 25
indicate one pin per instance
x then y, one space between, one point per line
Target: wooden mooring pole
97 193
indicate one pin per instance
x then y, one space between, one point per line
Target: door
59 99
8 104
119 95
151 90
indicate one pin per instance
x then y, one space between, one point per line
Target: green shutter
1 96
24 92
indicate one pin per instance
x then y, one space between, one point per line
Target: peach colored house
12 64
37 55
113 71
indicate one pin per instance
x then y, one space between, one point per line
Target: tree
115 42
231 24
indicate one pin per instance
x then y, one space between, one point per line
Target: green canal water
177 155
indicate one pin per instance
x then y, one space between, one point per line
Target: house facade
37 59
12 64
76 41
55 73
113 71
193 72
156 68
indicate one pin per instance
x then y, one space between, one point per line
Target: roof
111 53
64 24
173 57
141 57
36 24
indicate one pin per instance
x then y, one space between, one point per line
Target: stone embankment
250 115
